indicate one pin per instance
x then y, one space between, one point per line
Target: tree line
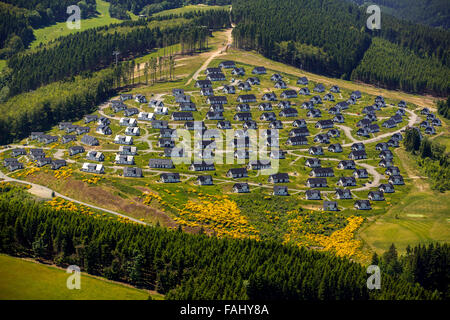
187 266
426 265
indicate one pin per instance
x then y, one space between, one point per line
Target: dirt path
212 55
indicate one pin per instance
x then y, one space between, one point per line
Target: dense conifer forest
435 13
186 266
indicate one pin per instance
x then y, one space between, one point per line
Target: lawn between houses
260 214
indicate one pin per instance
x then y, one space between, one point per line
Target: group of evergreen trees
427 265
186 266
435 13
330 37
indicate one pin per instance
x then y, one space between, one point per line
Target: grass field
60 29
420 216
190 8
27 280
2 65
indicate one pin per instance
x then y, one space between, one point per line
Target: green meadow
27 280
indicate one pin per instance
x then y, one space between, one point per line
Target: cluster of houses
297 136
430 123
36 155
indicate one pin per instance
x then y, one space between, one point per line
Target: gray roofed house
57 164
253 81
346 182
250 124
18 152
131 112
216 77
277 154
105 130
43 162
35 135
324 124
68 138
160 124
333 133
288 94
356 94
36 154
315 150
180 99
229 89
281 85
299 123
14 165
314 113
361 173
386 188
236 173
202 84
95 156
304 91
268 116
166 143
319 88
376 196
357 155
316 100
241 188
362 205
206 180
170 177
93 168
278 178
126 96
269 96
127 150
343 194
358 146
328 97
214 115
392 171
265 106
288 112
280 191
217 100
302 81
244 86
188 106
203 166
103 121
133 131
322 172
283 104
299 132
296 141
276 124
243 116
335 147
330 206
63 125
122 159
224 125
90 118
259 70
182 116
140 98
76 150
132 172
161 163
258 165
335 89
246 98
396 180
238 72
47 139
322 138
313 194
339 118
317 183
89 140
243 107
347 165
313 163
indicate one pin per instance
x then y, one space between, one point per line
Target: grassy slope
55 31
25 280
2 65
189 8
420 216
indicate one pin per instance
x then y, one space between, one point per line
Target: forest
435 13
186 266
427 265
330 37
